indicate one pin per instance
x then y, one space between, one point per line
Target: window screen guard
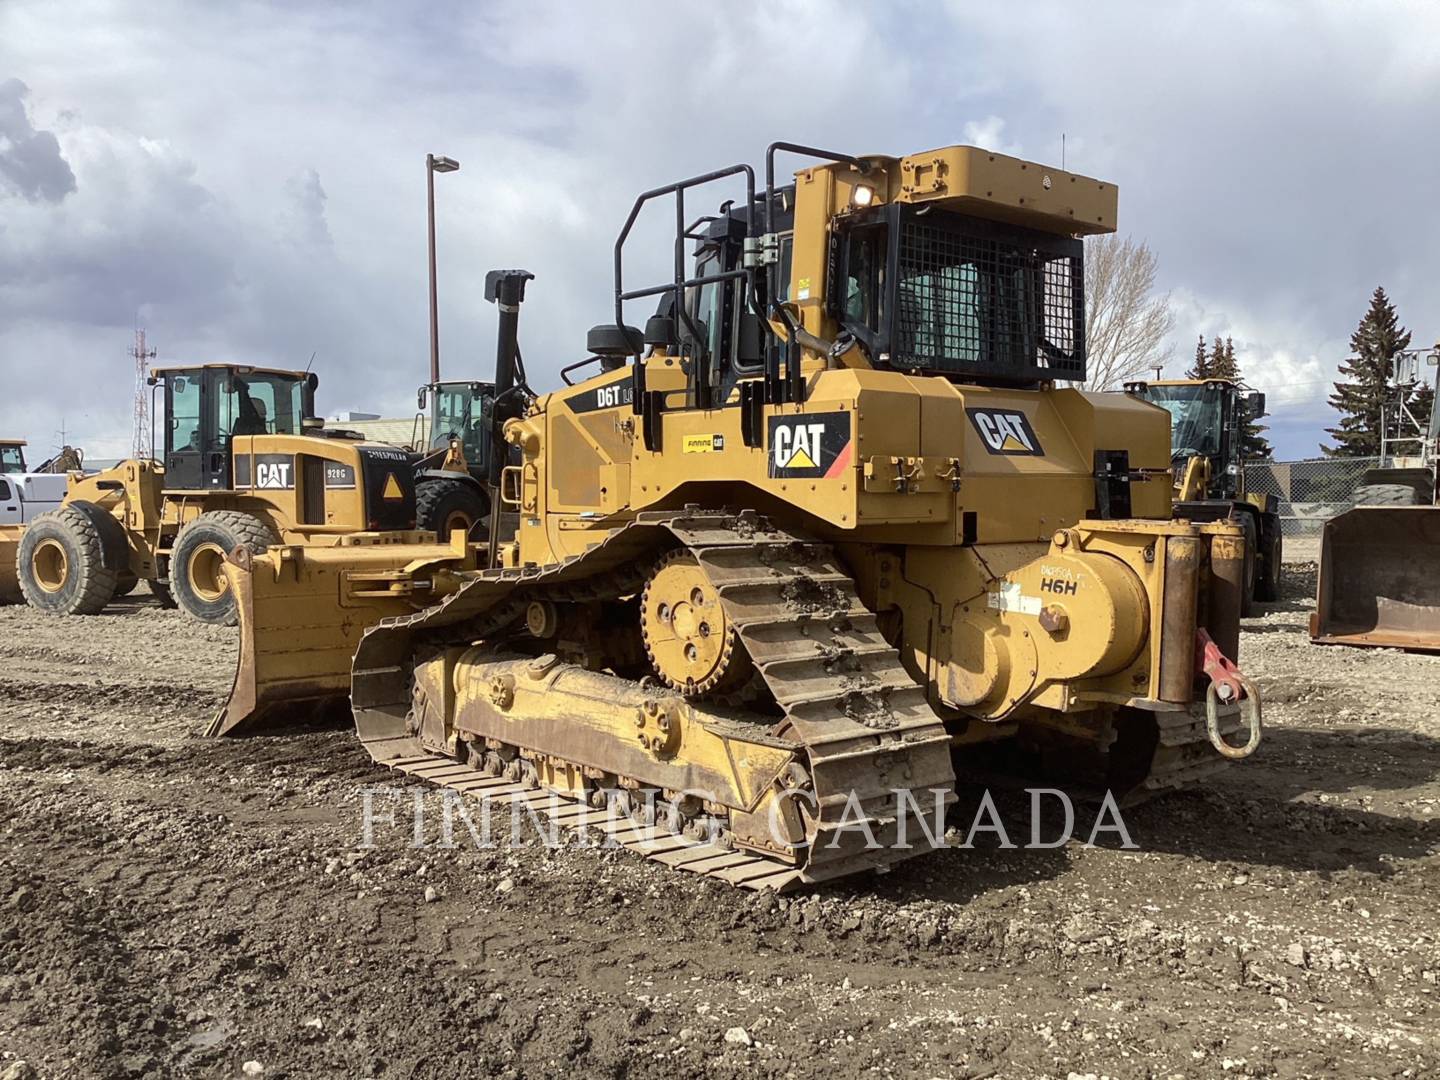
981 299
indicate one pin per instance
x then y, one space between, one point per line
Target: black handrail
677 189
759 295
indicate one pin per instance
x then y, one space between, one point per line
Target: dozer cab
1207 424
829 518
1379 579
245 465
452 473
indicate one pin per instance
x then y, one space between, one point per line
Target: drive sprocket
692 645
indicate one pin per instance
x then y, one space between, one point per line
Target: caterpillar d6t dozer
829 519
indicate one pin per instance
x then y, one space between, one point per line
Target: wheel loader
246 465
1379 578
829 524
452 473
1208 419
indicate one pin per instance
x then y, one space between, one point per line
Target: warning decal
809 445
1006 431
392 489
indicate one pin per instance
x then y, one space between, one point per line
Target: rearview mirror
420 397
1255 404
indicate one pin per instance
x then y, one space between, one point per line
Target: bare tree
1126 323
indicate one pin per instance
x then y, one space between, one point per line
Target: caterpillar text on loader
827 519
245 465
1379 580
1207 424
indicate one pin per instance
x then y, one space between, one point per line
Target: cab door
221 410
184 432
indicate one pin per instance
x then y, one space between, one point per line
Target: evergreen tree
1253 444
1222 362
1360 399
1201 370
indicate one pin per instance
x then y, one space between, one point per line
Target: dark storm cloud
253 188
30 161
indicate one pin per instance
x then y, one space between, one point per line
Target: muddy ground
171 905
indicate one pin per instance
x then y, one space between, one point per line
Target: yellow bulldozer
245 465
828 519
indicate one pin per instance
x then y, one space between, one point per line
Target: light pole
433 165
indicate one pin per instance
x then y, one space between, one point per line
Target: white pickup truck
25 494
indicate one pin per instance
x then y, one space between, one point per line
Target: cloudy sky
246 179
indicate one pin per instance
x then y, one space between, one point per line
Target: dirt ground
171 905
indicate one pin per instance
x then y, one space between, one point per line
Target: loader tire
1267 582
1386 495
196 564
444 505
61 564
1252 565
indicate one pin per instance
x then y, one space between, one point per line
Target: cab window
704 309
864 279
256 403
460 413
185 414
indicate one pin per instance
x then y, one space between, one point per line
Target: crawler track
864 729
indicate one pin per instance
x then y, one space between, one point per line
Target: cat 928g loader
829 518
245 463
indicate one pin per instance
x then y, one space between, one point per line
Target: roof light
862 195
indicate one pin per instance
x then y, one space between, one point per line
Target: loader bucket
9 576
1379 580
302 612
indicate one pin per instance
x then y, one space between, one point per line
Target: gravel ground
171 905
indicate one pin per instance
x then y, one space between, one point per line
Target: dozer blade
9 576
1379 580
303 610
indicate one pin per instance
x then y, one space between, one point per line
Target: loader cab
12 457
1207 419
207 406
460 410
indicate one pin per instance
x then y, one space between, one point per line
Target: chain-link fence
1310 492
